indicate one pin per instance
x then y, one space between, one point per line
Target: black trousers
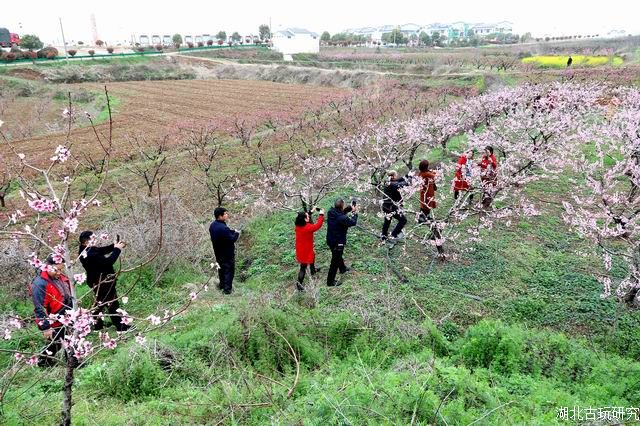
303 271
427 216
337 262
402 221
226 273
106 300
55 344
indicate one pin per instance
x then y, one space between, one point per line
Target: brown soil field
153 108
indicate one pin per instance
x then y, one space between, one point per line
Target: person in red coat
463 174
428 203
488 175
51 294
305 253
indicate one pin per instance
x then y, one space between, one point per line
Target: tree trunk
68 389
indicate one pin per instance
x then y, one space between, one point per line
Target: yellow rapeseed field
578 60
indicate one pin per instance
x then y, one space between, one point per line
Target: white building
296 40
410 29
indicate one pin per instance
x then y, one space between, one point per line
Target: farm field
152 108
578 60
526 314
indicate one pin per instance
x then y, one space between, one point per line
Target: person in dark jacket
338 223
51 294
392 204
101 277
223 239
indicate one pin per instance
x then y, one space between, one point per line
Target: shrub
489 344
220 42
200 44
43 53
72 52
15 49
110 49
158 47
9 57
18 54
99 43
51 55
92 52
140 49
30 41
130 375
29 55
178 45
209 42
190 45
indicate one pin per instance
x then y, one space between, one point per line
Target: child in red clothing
488 175
463 174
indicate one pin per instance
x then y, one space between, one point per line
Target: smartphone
117 238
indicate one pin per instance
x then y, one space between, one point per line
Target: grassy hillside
508 334
508 331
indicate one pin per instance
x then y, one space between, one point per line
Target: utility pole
64 43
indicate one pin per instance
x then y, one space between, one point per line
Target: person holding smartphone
305 253
101 277
338 223
223 240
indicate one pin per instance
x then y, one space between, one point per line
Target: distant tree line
397 37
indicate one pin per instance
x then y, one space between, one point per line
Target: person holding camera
392 204
101 277
338 223
223 239
305 253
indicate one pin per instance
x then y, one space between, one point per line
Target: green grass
138 59
539 339
509 332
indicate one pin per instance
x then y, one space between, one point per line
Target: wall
296 44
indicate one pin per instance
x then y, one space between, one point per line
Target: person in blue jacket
223 239
338 223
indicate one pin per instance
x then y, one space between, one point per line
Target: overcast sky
117 20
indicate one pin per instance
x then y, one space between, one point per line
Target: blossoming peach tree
606 211
52 207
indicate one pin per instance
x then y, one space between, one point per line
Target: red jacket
49 299
488 167
304 241
460 182
428 190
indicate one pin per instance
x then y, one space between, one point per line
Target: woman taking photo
305 254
